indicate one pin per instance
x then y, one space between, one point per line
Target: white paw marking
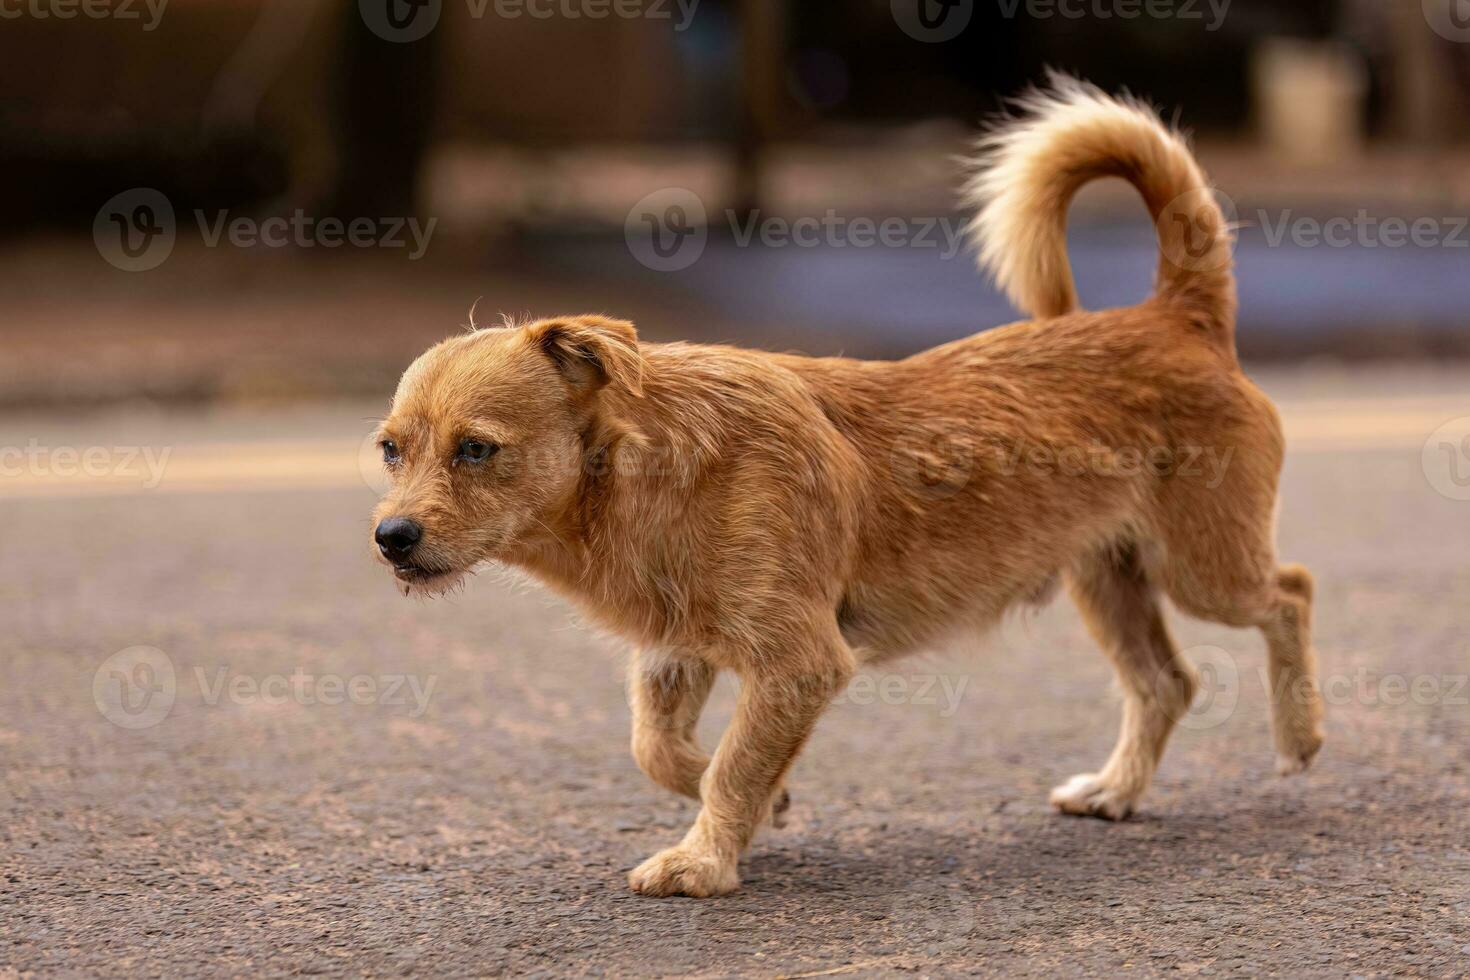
1088 795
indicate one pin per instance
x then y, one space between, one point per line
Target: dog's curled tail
1028 168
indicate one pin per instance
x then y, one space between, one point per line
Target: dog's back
995 461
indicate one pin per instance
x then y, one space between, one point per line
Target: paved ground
303 772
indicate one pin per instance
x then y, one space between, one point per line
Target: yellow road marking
1387 424
195 468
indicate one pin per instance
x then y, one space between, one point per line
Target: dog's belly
884 624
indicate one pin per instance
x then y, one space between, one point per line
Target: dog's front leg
667 695
775 713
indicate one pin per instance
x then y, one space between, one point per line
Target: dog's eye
390 452
476 451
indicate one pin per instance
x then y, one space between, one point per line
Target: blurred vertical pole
1423 84
384 104
762 48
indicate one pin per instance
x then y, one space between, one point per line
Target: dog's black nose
396 538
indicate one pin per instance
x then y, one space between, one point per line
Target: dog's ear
593 351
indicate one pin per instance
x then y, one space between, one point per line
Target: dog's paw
1088 795
683 871
1297 759
1297 750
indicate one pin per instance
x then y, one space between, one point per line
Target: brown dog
791 518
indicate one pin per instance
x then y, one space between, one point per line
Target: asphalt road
230 747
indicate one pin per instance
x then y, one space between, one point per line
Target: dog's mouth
416 573
428 581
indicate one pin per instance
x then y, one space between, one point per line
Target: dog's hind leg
1296 702
1218 562
667 694
1122 611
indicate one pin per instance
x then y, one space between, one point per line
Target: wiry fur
1026 171
788 518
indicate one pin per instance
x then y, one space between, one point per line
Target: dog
791 518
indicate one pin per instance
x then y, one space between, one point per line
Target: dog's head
487 441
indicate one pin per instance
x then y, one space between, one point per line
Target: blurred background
543 156
230 224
